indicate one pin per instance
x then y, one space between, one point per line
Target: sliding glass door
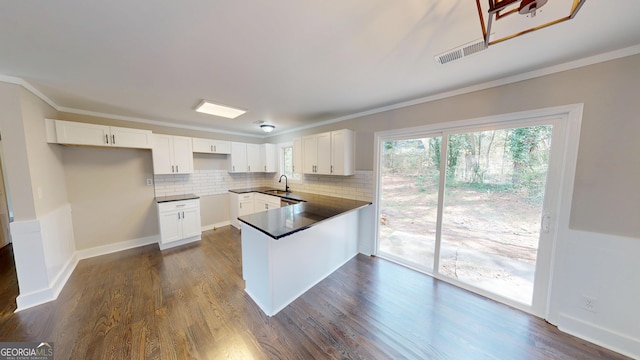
467 205
494 193
410 175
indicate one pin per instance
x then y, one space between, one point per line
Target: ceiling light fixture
210 108
267 128
500 26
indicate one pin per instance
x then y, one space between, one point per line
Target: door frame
566 129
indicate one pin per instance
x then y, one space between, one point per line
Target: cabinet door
269 155
130 138
170 226
297 155
310 154
182 155
273 203
162 154
254 160
234 208
221 147
69 132
202 146
246 207
260 205
191 222
342 152
238 158
324 154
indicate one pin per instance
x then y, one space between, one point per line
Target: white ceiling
290 63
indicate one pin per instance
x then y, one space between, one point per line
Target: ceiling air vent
461 52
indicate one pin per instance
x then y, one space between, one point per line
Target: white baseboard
120 246
26 301
599 335
215 226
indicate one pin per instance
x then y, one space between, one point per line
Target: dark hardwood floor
189 303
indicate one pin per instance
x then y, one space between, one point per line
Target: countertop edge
164 199
277 237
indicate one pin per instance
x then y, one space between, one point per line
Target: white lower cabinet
239 205
264 202
179 222
249 203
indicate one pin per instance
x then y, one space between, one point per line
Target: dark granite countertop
278 223
162 199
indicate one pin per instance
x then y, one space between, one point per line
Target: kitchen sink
278 192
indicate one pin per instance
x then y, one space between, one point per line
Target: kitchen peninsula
286 251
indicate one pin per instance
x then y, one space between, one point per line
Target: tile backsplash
212 182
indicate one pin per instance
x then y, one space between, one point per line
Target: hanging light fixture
505 19
267 128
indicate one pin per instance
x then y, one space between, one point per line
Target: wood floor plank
189 303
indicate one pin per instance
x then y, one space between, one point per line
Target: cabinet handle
211 148
183 214
332 169
249 168
214 149
181 205
173 168
233 167
113 139
178 215
265 168
266 206
177 168
106 138
240 205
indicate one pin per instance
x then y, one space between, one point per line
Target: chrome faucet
286 182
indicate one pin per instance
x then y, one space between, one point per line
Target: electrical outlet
149 182
589 303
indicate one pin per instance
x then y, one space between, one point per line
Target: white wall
42 238
604 268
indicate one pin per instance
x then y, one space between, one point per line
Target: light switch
149 182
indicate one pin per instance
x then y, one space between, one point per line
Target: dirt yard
489 239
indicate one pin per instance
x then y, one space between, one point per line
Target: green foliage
528 149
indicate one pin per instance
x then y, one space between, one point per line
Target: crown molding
30 88
612 55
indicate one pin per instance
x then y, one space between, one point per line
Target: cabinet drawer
243 197
178 205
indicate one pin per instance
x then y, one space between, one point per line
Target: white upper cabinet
254 160
75 133
172 154
208 146
238 158
269 154
310 154
323 164
330 153
250 158
343 152
297 155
